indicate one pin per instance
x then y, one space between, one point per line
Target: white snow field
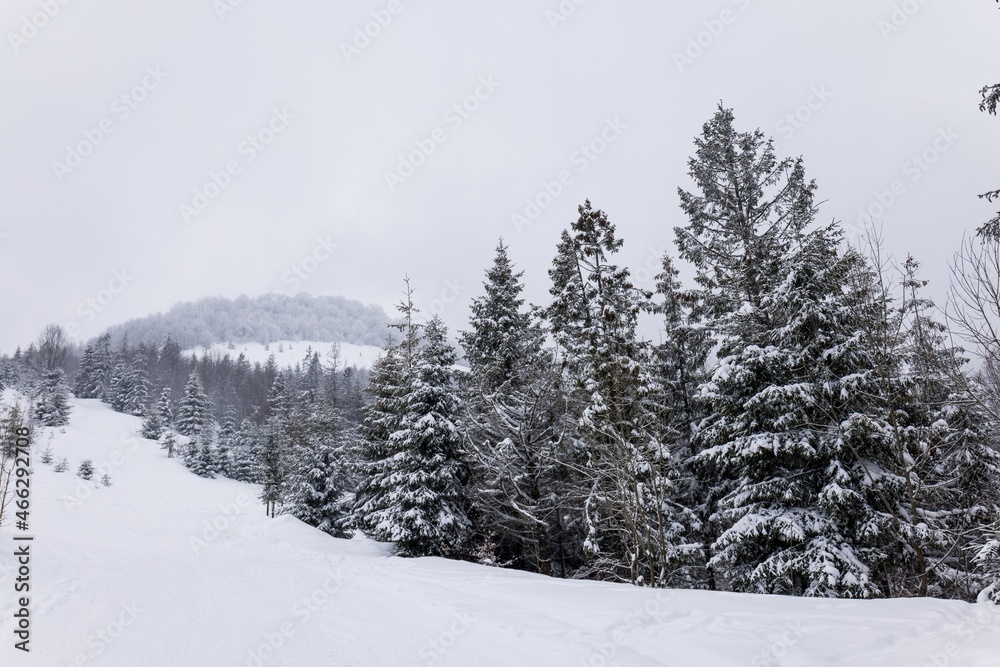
165 568
289 353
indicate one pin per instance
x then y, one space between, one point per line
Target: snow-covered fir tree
189 451
169 443
193 415
946 452
128 390
152 427
514 424
94 375
311 383
279 403
244 466
810 510
747 215
271 465
224 444
414 493
679 370
318 479
201 455
164 409
52 401
387 389
593 317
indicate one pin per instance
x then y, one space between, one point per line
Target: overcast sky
116 114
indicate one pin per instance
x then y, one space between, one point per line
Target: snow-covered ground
164 568
289 353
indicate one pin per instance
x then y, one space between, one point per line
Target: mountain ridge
263 319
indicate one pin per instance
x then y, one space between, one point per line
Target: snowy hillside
289 353
165 568
270 317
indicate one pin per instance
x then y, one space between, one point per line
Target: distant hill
264 319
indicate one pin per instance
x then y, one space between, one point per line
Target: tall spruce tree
796 434
811 508
680 369
387 389
193 415
201 455
94 375
514 426
272 468
164 409
413 491
52 401
152 427
500 338
594 317
945 453
319 480
244 466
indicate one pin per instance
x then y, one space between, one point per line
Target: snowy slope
165 568
289 353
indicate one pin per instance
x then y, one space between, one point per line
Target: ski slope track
165 568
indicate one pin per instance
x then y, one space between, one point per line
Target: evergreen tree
152 427
117 389
680 369
501 336
201 457
414 492
387 390
278 402
85 385
311 383
514 424
244 466
802 475
86 469
225 443
169 443
945 453
271 465
52 402
93 377
810 508
193 415
426 512
164 410
318 478
593 317
135 396
747 210
189 451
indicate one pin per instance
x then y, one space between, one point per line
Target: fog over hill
264 319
